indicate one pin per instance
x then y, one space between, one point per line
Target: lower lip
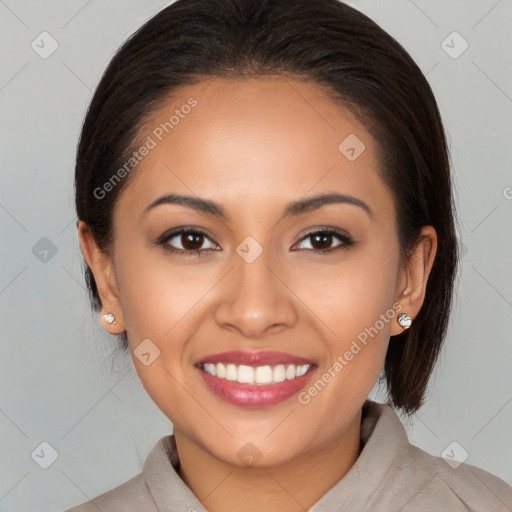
252 395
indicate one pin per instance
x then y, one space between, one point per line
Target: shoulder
156 486
412 480
454 487
131 496
438 485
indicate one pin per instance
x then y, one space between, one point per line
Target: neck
294 486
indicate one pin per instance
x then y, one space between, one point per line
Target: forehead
257 138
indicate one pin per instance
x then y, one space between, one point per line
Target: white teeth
231 372
245 374
279 373
301 370
256 375
212 368
290 372
263 375
221 370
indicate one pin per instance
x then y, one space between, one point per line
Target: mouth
258 375
255 379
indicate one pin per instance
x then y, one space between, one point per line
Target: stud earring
110 318
404 320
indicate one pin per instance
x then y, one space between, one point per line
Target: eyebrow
292 209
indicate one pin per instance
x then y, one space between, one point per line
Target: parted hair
324 42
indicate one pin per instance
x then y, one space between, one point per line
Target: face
319 282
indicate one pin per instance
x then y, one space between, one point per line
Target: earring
404 320
110 318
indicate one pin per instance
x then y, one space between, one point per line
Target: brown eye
186 241
321 241
191 241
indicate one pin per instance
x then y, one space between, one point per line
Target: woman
265 211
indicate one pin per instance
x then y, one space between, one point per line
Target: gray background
59 380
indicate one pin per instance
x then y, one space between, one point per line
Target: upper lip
255 358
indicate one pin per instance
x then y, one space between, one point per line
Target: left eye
325 238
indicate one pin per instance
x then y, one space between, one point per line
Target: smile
259 375
254 379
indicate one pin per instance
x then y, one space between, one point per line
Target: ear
102 268
412 282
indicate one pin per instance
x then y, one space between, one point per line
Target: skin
254 146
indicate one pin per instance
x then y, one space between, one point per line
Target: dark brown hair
325 42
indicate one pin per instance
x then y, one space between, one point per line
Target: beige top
390 475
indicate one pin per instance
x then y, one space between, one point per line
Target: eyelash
162 242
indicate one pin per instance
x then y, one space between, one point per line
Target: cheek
351 295
355 300
156 292
158 299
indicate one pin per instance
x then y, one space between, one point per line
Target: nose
257 300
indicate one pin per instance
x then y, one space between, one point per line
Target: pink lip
255 358
253 395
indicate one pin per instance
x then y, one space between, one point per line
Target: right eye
190 240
